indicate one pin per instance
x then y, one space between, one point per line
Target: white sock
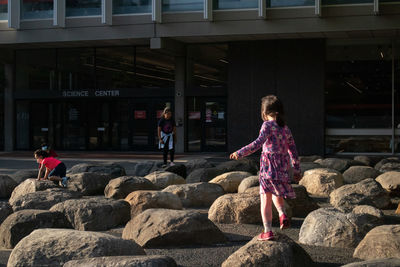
267 226
281 210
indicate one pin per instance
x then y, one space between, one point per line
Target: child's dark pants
166 149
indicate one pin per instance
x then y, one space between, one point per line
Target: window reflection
235 4
131 6
345 2
37 9
178 5
3 9
287 3
358 144
83 8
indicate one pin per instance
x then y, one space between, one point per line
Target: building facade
96 74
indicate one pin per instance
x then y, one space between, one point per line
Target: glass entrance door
206 118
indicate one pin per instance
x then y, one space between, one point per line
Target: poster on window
208 115
140 114
194 115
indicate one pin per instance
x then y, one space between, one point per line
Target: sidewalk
11 162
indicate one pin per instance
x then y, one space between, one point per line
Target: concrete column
59 13
180 67
9 109
106 12
14 14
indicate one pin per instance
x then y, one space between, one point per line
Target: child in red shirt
55 169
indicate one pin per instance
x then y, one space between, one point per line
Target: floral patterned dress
278 156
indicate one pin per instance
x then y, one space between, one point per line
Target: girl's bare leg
279 204
266 211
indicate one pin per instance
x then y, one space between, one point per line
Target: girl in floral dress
278 156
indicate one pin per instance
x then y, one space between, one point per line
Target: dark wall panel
291 69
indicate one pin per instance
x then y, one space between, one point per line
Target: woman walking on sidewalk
167 135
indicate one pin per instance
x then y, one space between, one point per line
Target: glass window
36 9
345 2
235 4
115 68
76 69
2 85
3 9
22 125
131 6
36 69
358 95
76 8
194 127
154 69
287 3
179 5
207 66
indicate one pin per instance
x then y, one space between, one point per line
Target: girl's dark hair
271 105
41 153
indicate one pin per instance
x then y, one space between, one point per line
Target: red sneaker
284 221
266 236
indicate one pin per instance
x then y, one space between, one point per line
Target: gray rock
162 179
119 188
366 192
203 175
124 261
248 182
178 169
382 162
23 222
302 205
381 242
322 181
7 185
365 209
5 210
163 227
390 166
141 168
142 200
54 247
311 158
241 208
356 174
94 214
43 200
111 169
22 175
331 228
338 164
306 166
31 186
282 251
89 183
364 159
387 262
196 195
243 165
390 181
230 181
195 164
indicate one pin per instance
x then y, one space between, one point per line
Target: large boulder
329 227
321 182
241 208
282 251
89 183
5 210
338 164
163 179
22 175
142 200
113 170
306 166
195 164
43 200
119 188
124 261
140 168
7 185
381 242
392 162
31 186
312 158
366 192
203 175
243 165
248 182
54 247
303 204
163 227
23 222
356 174
230 181
196 195
386 262
364 159
390 181
178 169
94 214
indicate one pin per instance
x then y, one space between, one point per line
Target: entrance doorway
206 120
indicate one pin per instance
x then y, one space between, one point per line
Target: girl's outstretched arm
256 144
293 151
